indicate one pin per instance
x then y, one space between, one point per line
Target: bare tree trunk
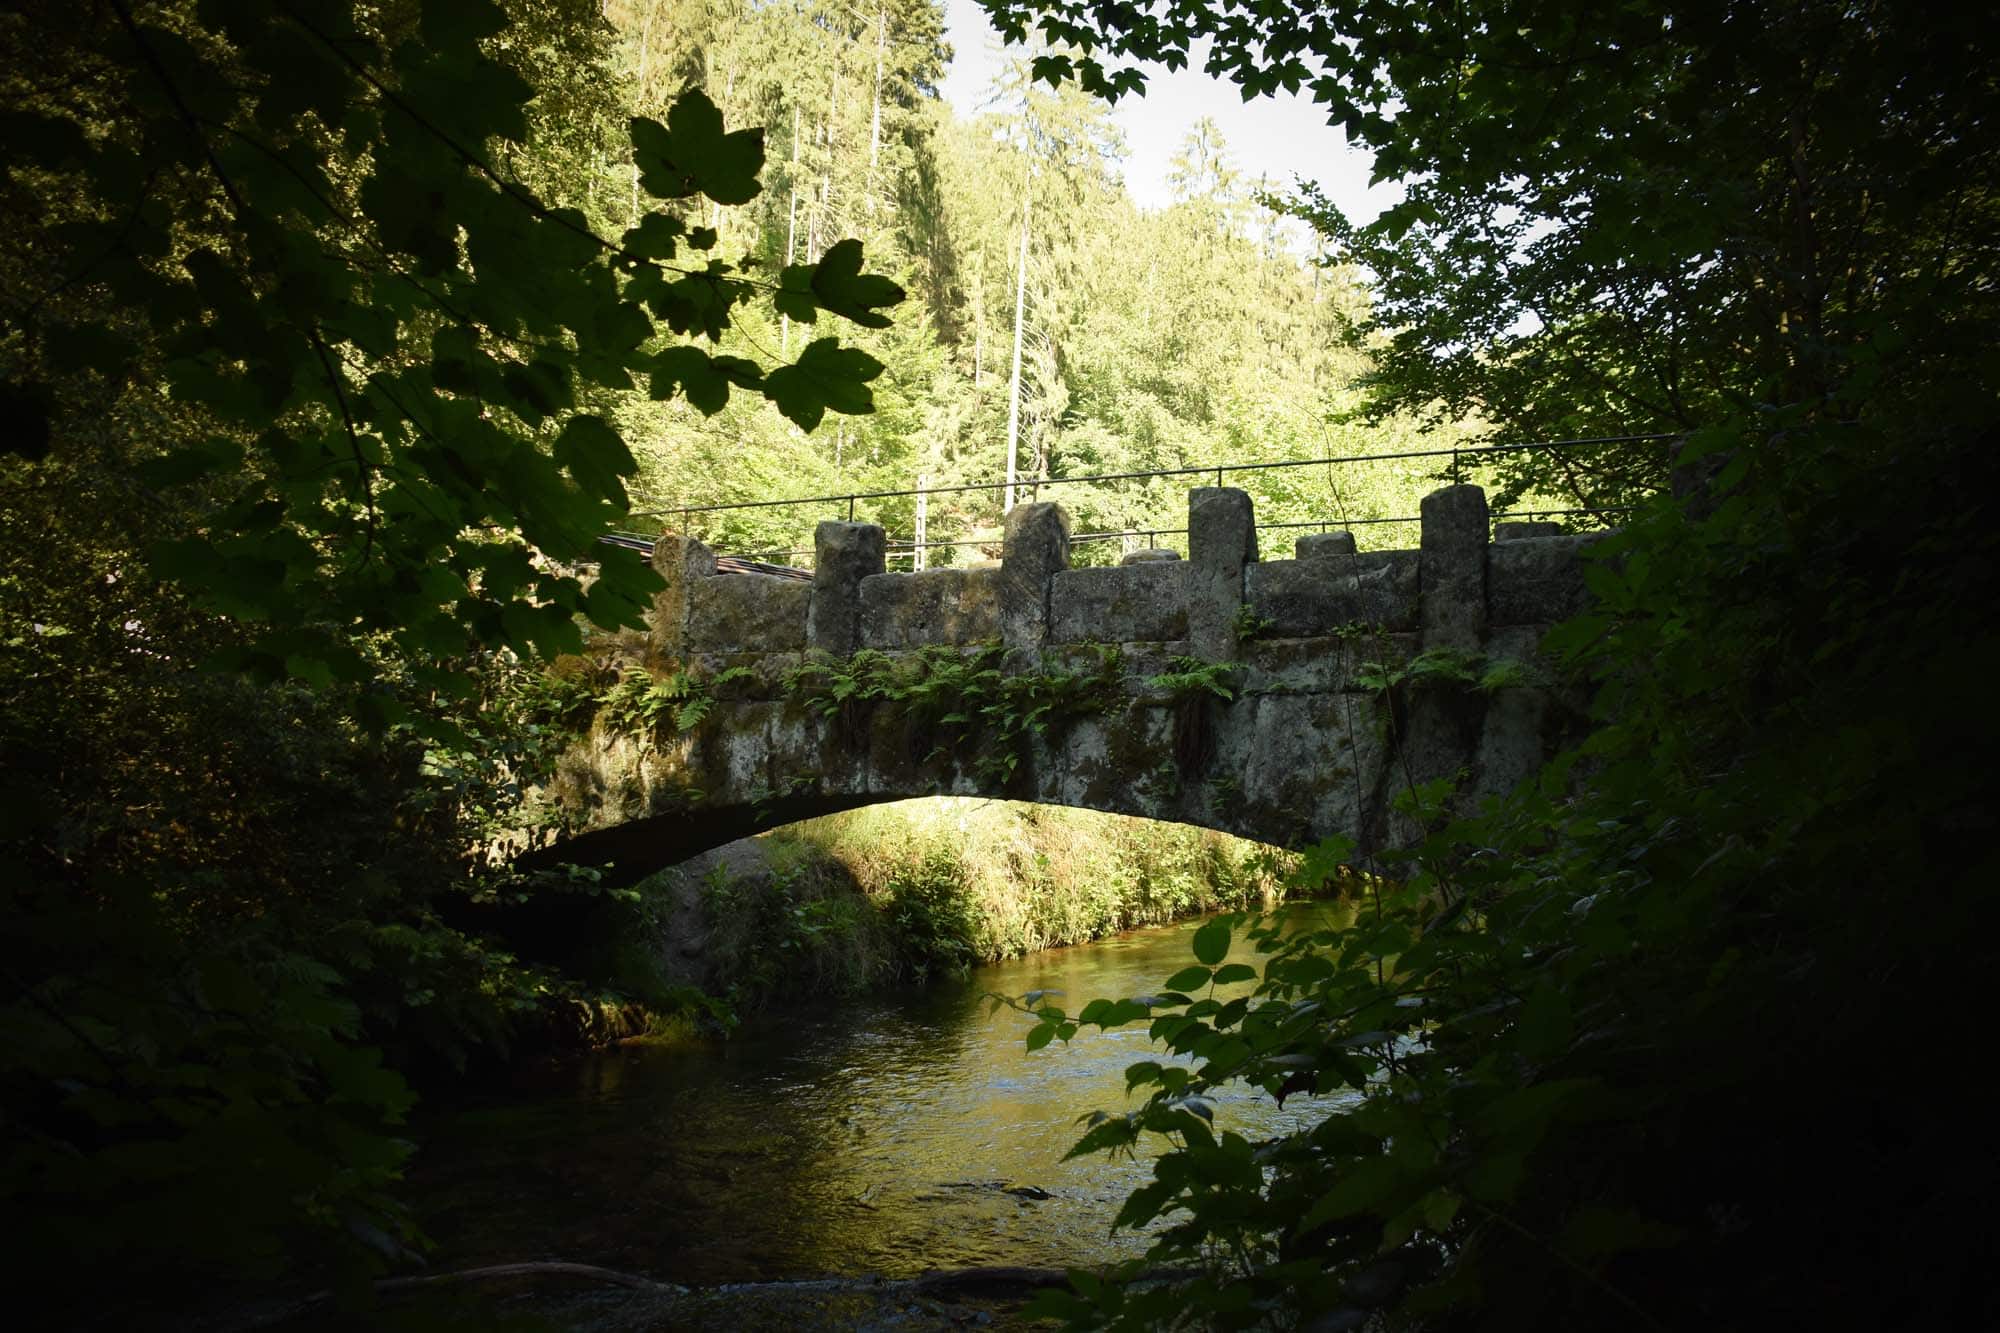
1014 391
645 49
791 232
875 116
978 319
728 93
919 556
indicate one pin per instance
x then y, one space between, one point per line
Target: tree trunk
791 232
639 93
875 116
1014 390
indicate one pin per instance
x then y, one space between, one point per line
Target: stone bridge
1352 675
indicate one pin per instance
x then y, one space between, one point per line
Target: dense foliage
1610 1054
1657 1042
306 387
1632 217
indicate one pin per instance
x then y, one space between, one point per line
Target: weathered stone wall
746 613
1309 745
1142 602
937 606
1325 593
1536 580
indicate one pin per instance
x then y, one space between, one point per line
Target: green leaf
89 347
1211 942
1145 1071
794 296
592 452
621 327
839 285
1596 1231
692 154
1363 1186
655 237
693 372
1235 972
24 419
1494 1179
452 22
826 376
1543 1027
1190 979
209 458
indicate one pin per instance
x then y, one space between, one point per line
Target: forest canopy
1644 216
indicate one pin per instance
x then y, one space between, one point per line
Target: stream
880 1135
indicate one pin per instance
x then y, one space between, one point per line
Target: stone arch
1310 743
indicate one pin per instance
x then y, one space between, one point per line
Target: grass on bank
917 889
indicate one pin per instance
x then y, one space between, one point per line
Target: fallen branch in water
549 1268
983 1283
541 1268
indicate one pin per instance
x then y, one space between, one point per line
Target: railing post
843 555
1452 569
1222 540
1035 547
680 560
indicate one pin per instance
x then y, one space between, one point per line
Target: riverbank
837 907
578 1298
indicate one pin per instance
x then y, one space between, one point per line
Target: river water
871 1136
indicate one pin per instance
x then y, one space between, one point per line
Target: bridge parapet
1453 591
1309 743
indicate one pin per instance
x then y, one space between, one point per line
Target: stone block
746 613
1304 598
767 678
1119 604
1150 555
1222 542
1321 545
1520 531
1453 574
1296 757
1137 662
1118 761
843 555
1537 581
1294 666
1036 546
937 606
1519 643
1512 744
1388 589
682 562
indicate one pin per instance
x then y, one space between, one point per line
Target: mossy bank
900 893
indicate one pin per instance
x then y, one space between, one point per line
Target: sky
1278 137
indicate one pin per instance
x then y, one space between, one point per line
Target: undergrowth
956 706
923 888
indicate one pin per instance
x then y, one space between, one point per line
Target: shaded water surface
873 1136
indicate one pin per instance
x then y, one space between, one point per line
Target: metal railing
1460 457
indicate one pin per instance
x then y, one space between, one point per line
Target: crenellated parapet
1326 717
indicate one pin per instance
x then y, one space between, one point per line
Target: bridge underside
1287 767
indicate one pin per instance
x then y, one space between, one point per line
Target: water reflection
883 1136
